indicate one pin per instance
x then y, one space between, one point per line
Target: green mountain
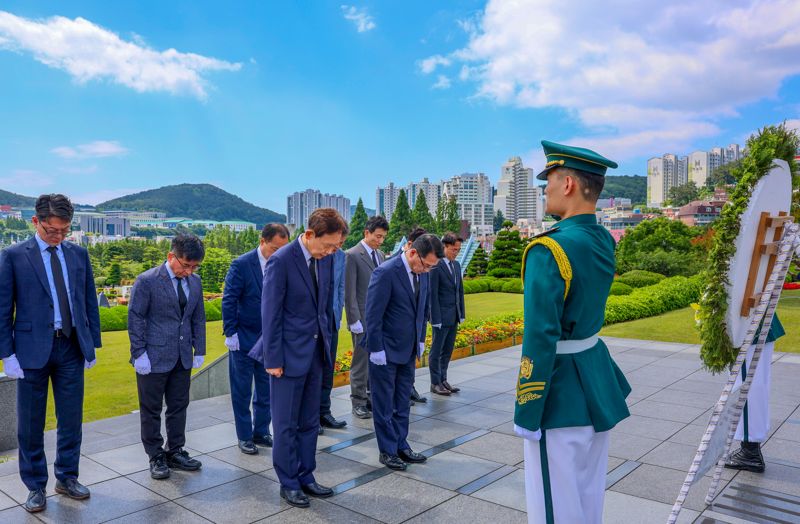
197 201
633 187
12 199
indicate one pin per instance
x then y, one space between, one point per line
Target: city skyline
264 100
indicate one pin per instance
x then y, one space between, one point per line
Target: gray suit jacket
357 272
155 324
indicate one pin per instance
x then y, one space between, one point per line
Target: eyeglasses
425 266
187 267
55 231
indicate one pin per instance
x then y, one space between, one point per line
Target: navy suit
335 314
447 310
26 329
241 315
395 324
296 336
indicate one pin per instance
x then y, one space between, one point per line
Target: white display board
772 194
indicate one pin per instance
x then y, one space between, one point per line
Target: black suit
447 310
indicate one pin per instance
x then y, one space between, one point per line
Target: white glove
11 367
198 361
378 358
356 328
437 326
89 365
528 434
142 364
462 320
232 342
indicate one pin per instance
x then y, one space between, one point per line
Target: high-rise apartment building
473 195
518 198
300 204
656 182
699 168
386 197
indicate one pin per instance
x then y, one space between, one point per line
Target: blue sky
99 99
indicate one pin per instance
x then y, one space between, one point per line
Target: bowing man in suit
447 312
411 237
294 347
397 309
361 261
49 329
166 319
241 323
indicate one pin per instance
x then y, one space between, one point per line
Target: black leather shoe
266 440
37 501
315 490
295 497
182 460
248 447
362 412
439 389
452 388
411 456
747 458
416 397
158 467
328 421
392 462
72 489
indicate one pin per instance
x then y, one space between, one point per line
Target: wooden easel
780 251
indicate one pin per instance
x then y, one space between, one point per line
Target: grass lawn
678 326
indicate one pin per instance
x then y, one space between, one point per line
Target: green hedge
213 310
668 295
620 288
116 318
638 278
497 285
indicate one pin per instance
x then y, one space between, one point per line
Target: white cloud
363 20
87 52
96 149
442 82
429 65
640 80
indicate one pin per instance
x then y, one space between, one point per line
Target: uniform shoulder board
545 233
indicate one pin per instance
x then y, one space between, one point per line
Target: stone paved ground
474 469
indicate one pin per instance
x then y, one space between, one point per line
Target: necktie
450 265
374 258
181 295
61 291
416 286
312 268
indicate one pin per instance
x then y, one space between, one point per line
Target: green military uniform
569 392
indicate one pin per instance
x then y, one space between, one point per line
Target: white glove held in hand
232 342
197 363
378 358
142 364
356 328
11 367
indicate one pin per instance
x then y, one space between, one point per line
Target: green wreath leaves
717 352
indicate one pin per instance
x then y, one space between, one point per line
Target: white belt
566 347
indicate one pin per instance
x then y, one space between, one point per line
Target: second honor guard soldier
570 393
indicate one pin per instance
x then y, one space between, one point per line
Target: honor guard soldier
570 392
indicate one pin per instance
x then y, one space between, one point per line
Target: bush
213 310
497 285
514 286
668 295
638 278
114 318
620 288
503 272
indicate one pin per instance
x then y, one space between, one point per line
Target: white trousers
754 422
565 476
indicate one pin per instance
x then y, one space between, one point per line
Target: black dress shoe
37 501
439 389
329 422
362 412
416 397
72 489
452 389
315 490
266 440
182 460
294 497
747 458
248 447
411 456
392 462
158 467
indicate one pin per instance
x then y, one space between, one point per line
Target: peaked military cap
561 155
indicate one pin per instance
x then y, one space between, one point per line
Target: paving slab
494 446
450 470
435 432
477 416
167 512
181 483
621 508
508 491
468 509
320 512
244 500
334 469
90 473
